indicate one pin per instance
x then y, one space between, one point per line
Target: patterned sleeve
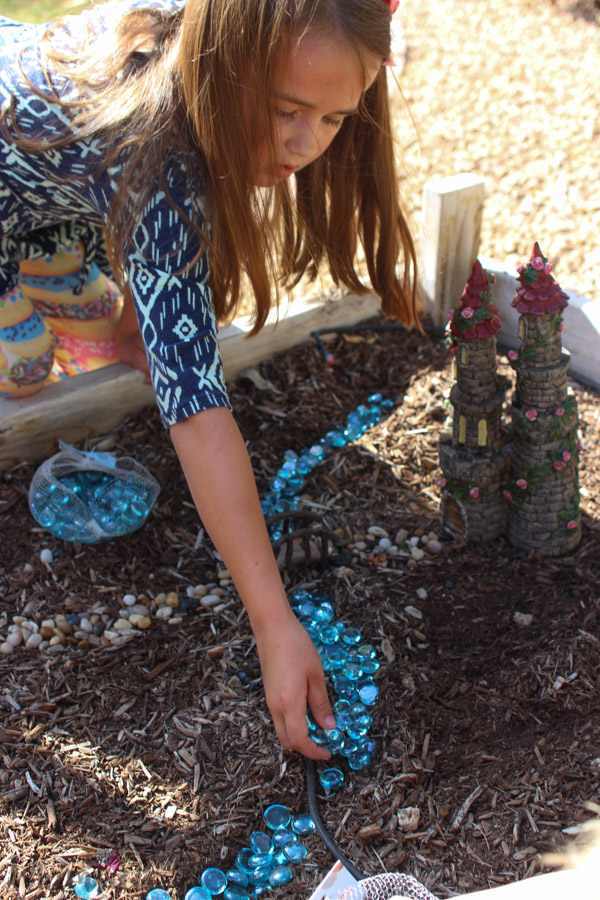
174 310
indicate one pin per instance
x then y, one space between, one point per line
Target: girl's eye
335 123
285 114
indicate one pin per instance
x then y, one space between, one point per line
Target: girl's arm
219 474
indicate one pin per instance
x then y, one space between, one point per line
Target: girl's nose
303 141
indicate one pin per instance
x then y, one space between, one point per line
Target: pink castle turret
543 493
475 461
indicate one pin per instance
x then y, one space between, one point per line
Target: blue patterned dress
42 208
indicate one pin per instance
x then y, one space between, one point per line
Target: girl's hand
293 678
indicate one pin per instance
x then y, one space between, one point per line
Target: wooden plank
83 406
450 229
581 333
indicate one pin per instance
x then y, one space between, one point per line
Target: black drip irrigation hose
313 809
361 326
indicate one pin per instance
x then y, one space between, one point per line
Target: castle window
482 433
462 429
522 329
463 355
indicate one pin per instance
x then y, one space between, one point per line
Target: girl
204 142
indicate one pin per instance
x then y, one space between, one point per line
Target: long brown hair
201 78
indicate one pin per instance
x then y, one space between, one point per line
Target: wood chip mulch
161 752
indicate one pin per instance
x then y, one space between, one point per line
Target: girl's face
316 87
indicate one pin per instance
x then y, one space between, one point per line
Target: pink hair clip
393 5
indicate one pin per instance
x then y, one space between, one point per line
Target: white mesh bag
90 497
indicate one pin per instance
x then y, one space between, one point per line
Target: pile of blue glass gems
286 484
266 863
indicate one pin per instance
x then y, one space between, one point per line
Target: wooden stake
450 228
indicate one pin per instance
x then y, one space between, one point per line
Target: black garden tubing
313 809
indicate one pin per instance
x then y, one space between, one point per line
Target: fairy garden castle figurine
543 492
475 461
527 488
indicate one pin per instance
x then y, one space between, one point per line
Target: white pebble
524 619
30 607
46 555
414 541
376 531
421 593
139 609
48 623
85 625
6 648
200 590
129 599
15 638
385 543
210 600
27 569
34 640
18 620
120 624
401 536
124 613
160 599
433 547
176 620
360 545
13 628
433 536
413 611
164 612
417 554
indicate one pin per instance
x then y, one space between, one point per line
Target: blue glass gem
303 824
260 842
260 874
236 876
295 852
317 451
236 892
325 612
197 893
359 760
368 693
279 859
86 887
257 860
328 634
331 779
213 880
282 836
242 860
280 876
158 894
351 636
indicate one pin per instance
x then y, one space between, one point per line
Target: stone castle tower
475 461
543 492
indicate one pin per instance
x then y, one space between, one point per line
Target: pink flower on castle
521 483
537 262
559 411
559 464
547 268
566 455
441 482
507 495
531 414
571 524
512 354
474 493
467 312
